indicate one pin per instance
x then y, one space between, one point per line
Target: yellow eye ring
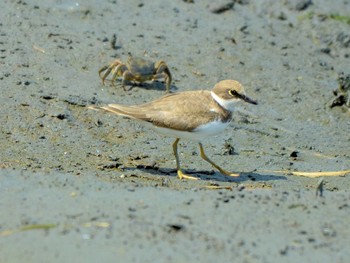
233 92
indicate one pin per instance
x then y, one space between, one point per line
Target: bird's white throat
226 104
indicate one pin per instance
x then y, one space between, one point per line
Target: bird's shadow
209 175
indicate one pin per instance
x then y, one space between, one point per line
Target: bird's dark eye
233 92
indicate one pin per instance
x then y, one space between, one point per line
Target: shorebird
193 115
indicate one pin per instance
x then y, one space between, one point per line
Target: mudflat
85 186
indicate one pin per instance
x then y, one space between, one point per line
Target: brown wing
180 111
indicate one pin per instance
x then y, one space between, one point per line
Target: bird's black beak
247 99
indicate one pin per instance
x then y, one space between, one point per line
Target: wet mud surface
91 186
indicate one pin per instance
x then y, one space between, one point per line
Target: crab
136 69
343 92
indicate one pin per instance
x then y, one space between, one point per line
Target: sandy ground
81 186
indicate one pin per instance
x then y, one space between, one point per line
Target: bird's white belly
198 134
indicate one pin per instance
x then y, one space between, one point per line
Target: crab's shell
141 67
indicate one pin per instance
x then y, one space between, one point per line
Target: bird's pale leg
180 174
205 157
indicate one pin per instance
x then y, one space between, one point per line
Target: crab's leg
118 71
127 76
108 69
165 77
162 71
